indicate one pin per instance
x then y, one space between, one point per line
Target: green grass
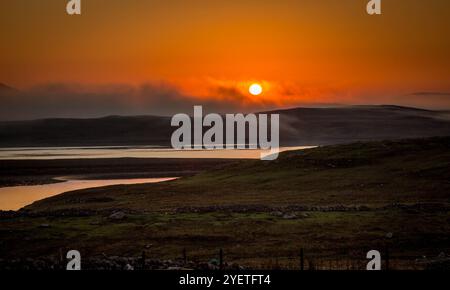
364 173
372 174
245 238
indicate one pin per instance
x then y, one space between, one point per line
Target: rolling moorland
298 127
337 202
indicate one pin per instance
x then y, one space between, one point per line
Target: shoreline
42 172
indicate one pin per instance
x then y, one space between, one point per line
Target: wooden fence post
387 258
143 260
302 260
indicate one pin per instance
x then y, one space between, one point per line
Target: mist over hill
298 126
5 89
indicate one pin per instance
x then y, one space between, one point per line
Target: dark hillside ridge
299 126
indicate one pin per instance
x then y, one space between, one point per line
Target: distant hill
299 126
108 131
6 89
325 126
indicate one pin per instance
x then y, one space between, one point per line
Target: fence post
221 259
61 259
302 260
143 260
387 258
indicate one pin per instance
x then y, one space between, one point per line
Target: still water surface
43 153
14 198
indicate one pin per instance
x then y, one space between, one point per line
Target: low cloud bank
90 101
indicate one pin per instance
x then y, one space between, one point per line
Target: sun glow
255 89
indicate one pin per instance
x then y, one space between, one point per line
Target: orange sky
302 51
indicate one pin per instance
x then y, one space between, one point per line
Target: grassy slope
372 174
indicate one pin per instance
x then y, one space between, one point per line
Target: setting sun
255 89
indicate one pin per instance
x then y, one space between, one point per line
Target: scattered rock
277 213
128 267
290 216
304 215
118 216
